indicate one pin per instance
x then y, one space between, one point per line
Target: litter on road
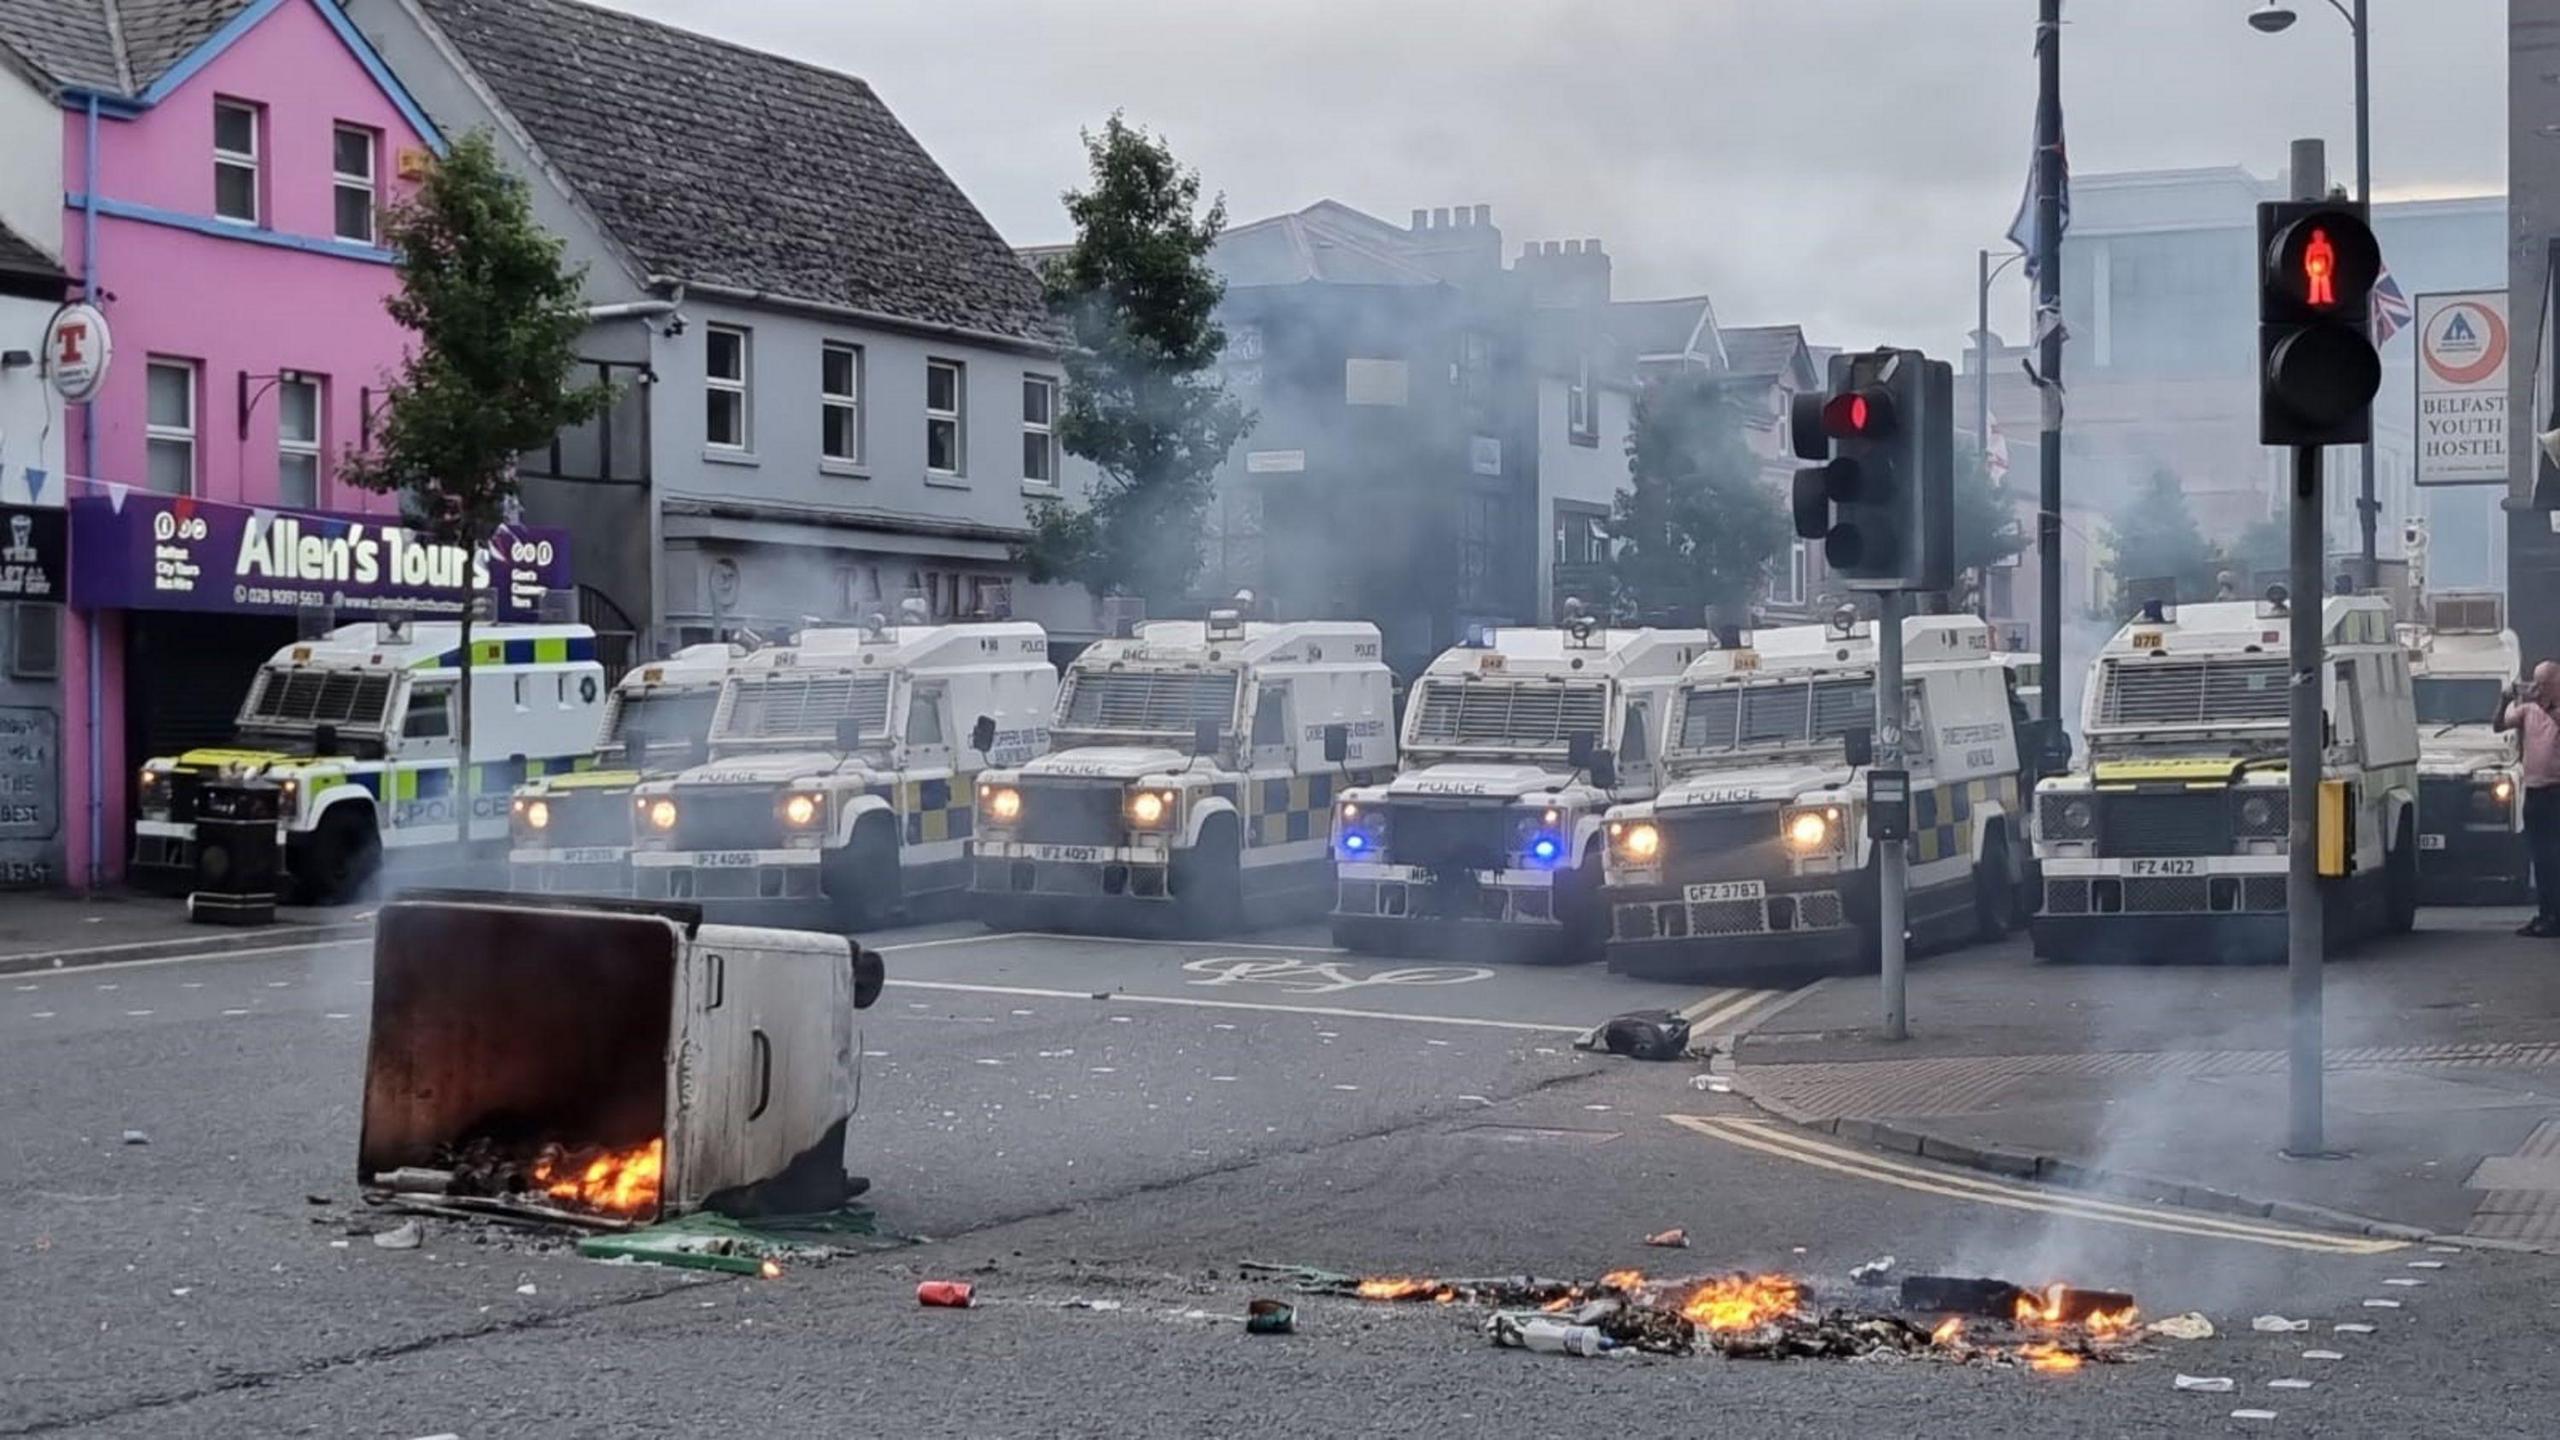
1646 1035
2277 1324
136 1137
1674 1238
2382 1304
2211 1384
2190 1326
2353 1327
2288 1384
407 1235
2253 1414
2322 1355
1873 1272
947 1294
1270 1317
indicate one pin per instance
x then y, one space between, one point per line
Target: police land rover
2172 842
1757 847
838 787
2471 846
572 833
1194 768
1515 745
358 729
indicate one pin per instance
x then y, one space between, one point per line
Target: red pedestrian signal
1858 414
2320 271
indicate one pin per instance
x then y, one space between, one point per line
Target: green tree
2154 536
1696 528
1987 528
497 318
2265 546
1143 400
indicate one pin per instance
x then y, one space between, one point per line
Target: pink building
224 165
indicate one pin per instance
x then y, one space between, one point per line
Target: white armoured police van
1515 745
572 833
2471 847
1194 769
2171 844
1757 846
838 786
359 730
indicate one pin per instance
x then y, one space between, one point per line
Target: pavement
1078 1119
47 930
2442 1078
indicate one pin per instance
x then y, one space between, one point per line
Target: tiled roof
1314 245
1663 327
19 256
1762 349
117 47
720 165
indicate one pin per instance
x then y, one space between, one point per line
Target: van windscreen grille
1510 715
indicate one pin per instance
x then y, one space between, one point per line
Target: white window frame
288 448
741 385
1581 420
847 403
344 181
1045 431
156 434
248 160
957 417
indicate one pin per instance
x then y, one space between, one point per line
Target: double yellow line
1786 1142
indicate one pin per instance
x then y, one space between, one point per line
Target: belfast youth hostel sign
159 552
2462 388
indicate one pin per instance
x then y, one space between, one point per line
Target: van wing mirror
1579 749
1858 744
635 753
1603 769
870 976
324 739
848 733
982 735
1337 744
1207 737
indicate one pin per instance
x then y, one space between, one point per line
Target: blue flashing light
1546 849
1355 842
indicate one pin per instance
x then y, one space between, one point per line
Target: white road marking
1134 940
1784 1142
136 1014
199 956
40 1015
1203 1003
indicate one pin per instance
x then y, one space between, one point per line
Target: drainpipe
89 462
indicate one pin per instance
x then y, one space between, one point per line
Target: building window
298 442
170 426
353 148
840 403
235 160
725 381
946 397
1582 537
1581 417
1039 430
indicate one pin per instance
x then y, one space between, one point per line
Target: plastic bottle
1550 1336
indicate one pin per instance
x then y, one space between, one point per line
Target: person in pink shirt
2530 711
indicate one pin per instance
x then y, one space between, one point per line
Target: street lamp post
1985 272
2270 18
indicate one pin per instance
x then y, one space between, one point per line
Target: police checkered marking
932 811
1295 808
1942 815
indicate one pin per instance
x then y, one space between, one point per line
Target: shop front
176 602
34 569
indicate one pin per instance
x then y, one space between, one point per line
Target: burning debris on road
1745 1316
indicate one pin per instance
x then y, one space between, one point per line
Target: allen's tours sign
138 551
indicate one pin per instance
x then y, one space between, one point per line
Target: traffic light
1881 499
2317 370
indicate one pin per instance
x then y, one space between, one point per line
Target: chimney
1565 273
1421 219
1440 218
1484 215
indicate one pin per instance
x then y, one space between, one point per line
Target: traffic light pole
1892 856
2048 324
2303 942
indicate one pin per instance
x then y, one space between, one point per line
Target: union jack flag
2391 309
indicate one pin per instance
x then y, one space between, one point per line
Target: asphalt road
1220 1103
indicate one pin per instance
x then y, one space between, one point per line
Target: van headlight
1149 809
2067 816
1812 829
2264 816
660 813
537 814
1002 803
801 811
154 795
1638 842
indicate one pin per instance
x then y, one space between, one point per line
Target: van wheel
1208 881
2400 882
1582 917
344 855
861 881
1995 894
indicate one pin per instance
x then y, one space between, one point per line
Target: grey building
1441 435
2533 262
838 382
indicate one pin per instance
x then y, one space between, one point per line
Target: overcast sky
1829 162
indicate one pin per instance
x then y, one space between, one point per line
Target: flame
2047 1311
1558 1304
1742 1302
2049 1358
770 1270
1626 1282
622 1182
1949 1331
2104 1323
1402 1287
